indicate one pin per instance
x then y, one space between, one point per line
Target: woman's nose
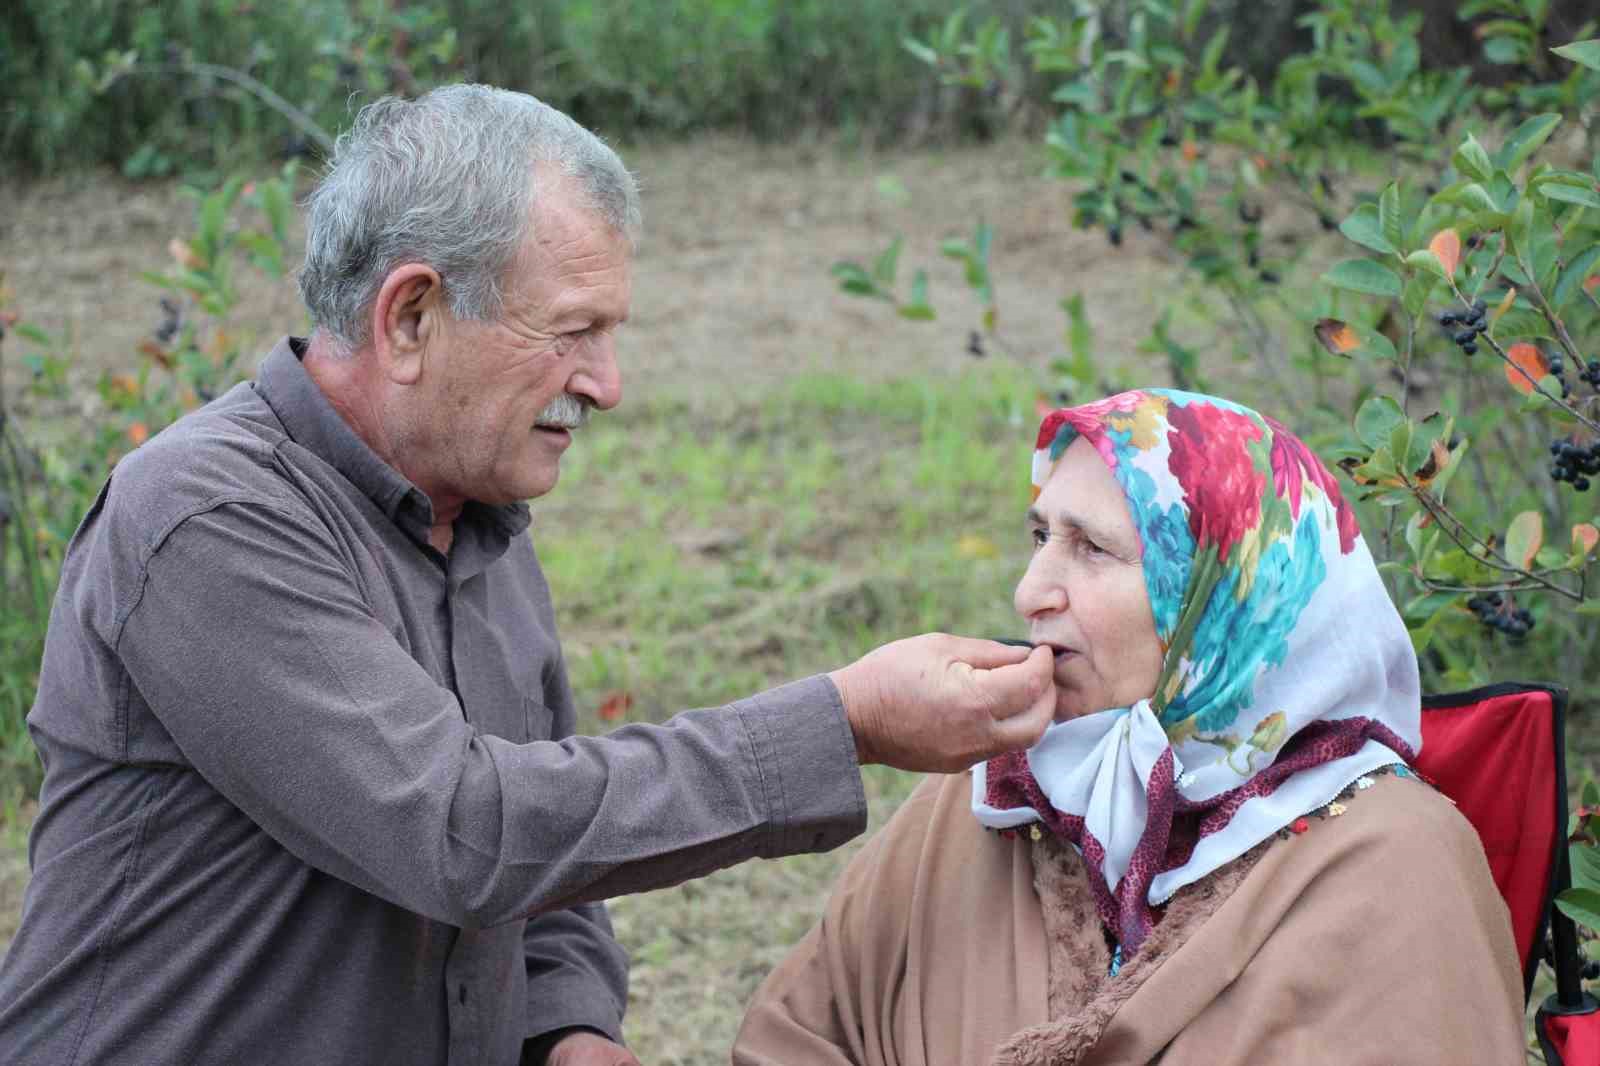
1039 592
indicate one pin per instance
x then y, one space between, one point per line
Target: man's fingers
1024 730
1018 687
983 654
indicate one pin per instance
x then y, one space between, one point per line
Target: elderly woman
1216 855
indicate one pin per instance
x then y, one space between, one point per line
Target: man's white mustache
566 412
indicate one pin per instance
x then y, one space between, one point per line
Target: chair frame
1556 936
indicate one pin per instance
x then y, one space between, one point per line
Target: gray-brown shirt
311 793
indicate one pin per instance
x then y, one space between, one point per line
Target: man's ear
406 316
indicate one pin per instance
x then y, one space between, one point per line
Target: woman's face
1084 591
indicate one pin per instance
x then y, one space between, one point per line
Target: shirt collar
311 422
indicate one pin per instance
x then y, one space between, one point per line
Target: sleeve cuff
560 1006
805 759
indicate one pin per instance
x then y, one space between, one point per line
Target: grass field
769 540
699 556
794 478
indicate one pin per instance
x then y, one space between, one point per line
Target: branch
1549 313
1558 401
298 118
1489 556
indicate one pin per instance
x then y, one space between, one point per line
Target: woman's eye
1040 537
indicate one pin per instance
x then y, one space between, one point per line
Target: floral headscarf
1287 671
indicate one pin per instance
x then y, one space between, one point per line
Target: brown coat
1373 937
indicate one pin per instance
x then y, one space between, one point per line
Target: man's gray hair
447 180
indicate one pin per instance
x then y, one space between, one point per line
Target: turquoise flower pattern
1233 511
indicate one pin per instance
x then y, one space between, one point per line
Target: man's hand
938 704
583 1048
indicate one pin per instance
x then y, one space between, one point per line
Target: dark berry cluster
1590 374
1501 614
1574 463
1558 367
1464 326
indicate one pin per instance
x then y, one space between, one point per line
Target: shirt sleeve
577 972
252 643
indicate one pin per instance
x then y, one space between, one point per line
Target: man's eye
1041 537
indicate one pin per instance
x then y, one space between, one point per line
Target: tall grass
623 67
784 536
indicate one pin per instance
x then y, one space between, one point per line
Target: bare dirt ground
732 295
731 286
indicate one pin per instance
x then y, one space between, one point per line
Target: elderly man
311 791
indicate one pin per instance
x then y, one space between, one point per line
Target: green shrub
49 478
1448 360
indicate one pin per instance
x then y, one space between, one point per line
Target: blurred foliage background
1378 220
623 67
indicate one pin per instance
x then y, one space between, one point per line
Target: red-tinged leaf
1190 150
1524 538
138 433
1446 247
183 254
1584 538
614 706
1591 283
1530 362
1336 336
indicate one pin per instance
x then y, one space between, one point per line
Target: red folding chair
1499 753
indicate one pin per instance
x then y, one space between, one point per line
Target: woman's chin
1071 704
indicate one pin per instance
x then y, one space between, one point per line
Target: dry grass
731 284
734 315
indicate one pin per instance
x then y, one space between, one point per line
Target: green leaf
1376 420
1582 905
1524 537
1519 231
1419 289
1586 53
1389 216
1504 50
1569 194
854 279
888 264
1363 227
1525 140
920 50
275 199
918 309
1472 160
35 334
1575 274
1364 275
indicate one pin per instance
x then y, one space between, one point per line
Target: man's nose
599 379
